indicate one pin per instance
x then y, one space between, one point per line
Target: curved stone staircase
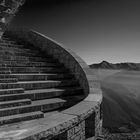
47 92
32 83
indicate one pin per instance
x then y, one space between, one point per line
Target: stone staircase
32 83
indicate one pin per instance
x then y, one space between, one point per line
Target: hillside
121 100
107 65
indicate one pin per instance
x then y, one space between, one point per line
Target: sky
96 30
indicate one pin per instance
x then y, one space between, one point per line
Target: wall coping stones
83 109
62 121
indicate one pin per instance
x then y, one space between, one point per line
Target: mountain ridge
107 65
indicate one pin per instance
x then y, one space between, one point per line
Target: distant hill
107 65
121 99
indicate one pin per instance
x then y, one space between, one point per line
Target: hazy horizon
96 30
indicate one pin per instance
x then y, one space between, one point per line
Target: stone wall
86 125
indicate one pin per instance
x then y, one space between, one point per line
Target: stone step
16 70
3 76
8 80
42 94
7 42
43 105
6 64
10 52
4 68
11 91
14 103
21 117
10 44
5 72
30 85
26 58
37 77
13 48
17 51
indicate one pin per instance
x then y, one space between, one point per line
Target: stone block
90 126
83 109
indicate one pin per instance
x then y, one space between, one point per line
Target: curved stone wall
80 121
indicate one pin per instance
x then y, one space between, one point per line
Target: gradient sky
96 30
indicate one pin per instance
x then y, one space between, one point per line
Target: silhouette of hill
107 65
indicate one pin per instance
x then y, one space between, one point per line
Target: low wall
87 113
